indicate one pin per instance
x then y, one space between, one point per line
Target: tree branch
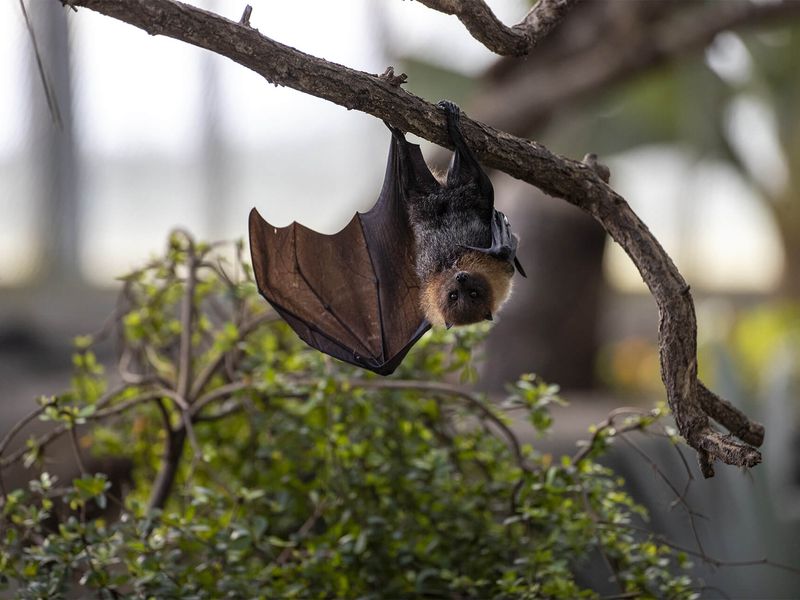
173 449
21 425
573 181
529 91
187 320
485 27
208 371
730 417
176 437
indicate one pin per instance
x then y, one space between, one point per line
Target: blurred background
691 104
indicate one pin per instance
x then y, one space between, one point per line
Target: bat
431 252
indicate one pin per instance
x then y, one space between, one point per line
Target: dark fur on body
451 219
459 285
446 220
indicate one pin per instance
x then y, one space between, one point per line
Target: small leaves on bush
299 477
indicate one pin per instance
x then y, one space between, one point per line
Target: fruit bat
432 251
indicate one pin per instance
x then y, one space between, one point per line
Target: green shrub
297 476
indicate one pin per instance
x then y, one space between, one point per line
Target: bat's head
471 291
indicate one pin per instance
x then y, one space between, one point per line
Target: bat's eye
473 294
453 296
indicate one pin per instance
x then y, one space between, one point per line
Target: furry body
459 285
464 251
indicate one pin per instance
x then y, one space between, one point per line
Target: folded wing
353 295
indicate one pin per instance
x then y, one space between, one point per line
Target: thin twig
210 368
612 567
679 497
224 391
76 450
173 448
47 438
40 442
607 424
245 20
126 405
49 92
717 562
19 425
224 411
284 556
187 320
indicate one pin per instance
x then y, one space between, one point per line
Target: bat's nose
461 276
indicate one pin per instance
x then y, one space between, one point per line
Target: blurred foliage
308 478
688 104
680 102
630 366
757 337
738 356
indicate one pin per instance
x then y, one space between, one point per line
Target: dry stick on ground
485 27
573 181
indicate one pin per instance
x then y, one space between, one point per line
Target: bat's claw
451 109
453 114
397 133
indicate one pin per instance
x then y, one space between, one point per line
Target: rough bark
485 27
573 181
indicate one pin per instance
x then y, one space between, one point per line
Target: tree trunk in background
550 325
55 149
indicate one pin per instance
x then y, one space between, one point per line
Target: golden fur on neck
497 272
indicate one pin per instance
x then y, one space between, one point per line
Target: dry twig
485 27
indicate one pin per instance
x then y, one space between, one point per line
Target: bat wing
355 294
504 243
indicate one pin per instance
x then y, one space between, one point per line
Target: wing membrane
354 294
